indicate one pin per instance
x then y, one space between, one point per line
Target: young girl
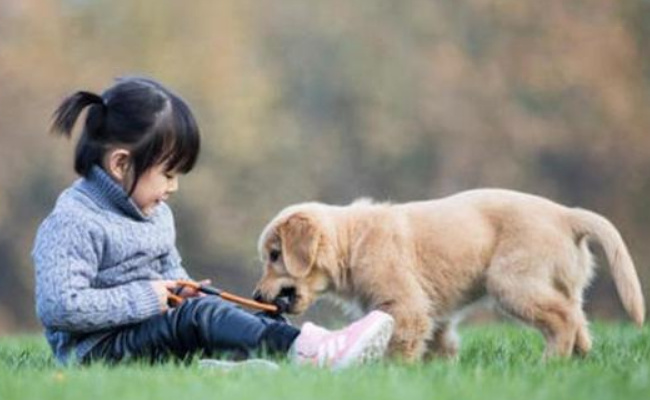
106 258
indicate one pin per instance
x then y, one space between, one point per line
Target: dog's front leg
443 343
412 328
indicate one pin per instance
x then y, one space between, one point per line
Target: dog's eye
274 255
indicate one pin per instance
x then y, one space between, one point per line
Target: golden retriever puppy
424 262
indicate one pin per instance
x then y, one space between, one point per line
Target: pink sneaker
362 341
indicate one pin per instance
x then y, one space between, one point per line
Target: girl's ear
117 164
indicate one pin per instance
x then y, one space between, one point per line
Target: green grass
496 362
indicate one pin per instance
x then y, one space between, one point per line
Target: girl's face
154 187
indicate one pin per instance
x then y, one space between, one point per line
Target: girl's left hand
187 291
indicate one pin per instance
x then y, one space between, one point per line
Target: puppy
424 262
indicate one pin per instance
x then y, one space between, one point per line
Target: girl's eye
274 255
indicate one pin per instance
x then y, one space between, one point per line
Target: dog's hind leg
583 338
549 313
525 287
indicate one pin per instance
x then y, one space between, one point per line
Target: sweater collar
108 194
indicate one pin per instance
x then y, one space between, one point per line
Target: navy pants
207 326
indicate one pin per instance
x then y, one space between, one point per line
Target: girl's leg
207 324
212 326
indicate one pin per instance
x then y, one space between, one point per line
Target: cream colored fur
423 262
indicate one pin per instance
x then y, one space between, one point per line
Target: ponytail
67 113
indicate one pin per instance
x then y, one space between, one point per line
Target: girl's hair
154 124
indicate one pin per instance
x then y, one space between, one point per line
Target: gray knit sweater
95 257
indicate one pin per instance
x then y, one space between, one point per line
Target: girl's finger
170 284
188 292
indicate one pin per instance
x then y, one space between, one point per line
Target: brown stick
249 303
228 296
176 300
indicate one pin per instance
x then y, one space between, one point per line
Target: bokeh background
334 100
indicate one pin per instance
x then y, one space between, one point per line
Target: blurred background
335 100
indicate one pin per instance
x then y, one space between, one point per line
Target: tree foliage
335 100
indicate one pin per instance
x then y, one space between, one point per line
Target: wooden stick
249 303
176 300
228 296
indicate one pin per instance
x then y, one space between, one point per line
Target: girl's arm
173 267
66 256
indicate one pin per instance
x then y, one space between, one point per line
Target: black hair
153 123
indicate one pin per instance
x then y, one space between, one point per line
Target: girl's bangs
180 140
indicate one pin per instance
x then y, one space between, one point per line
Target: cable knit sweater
95 257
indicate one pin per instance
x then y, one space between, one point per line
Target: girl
106 258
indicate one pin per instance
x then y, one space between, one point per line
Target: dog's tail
594 226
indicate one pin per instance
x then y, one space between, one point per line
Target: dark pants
208 326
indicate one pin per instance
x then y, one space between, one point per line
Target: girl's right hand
162 289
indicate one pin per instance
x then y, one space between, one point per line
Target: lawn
496 362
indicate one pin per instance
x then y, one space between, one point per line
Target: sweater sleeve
173 266
172 263
66 256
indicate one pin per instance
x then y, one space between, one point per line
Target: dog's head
295 251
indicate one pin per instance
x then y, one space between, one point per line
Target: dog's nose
257 295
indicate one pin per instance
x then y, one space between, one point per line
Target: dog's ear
300 237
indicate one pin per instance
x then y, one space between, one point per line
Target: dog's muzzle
285 299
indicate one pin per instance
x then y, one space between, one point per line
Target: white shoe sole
251 364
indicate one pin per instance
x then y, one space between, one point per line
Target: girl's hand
191 292
162 289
